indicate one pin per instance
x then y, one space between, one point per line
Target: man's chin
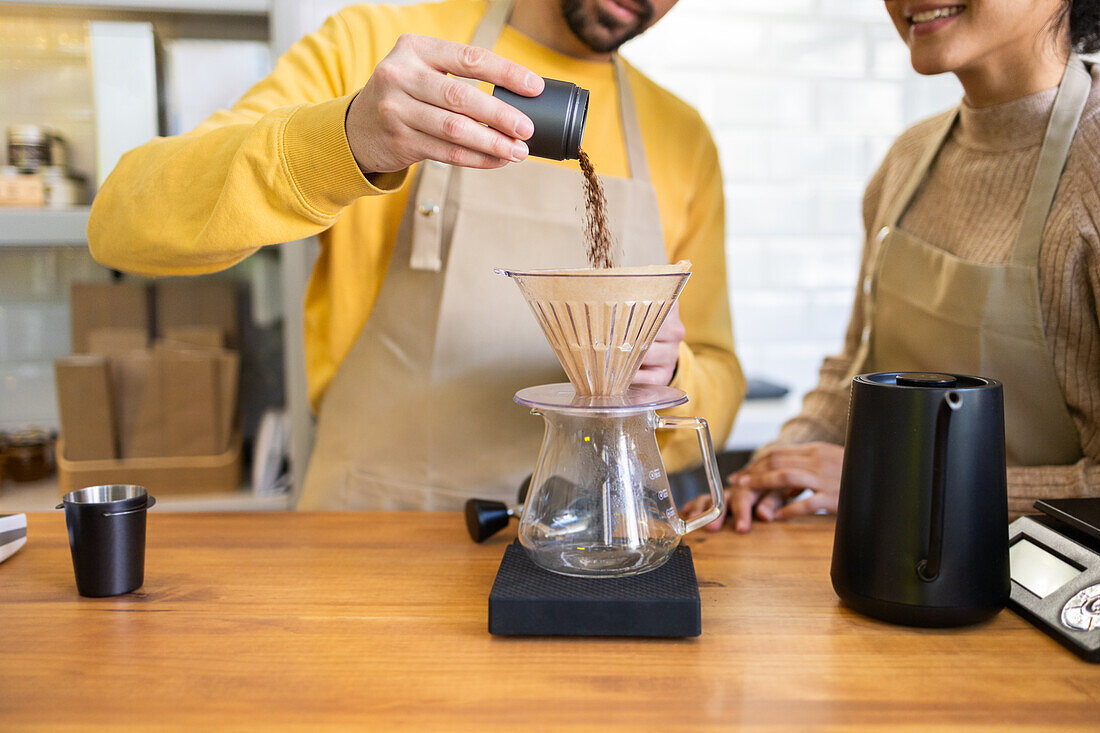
603 33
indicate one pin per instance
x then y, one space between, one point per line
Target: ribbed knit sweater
971 205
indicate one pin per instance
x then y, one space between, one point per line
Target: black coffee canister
922 519
559 114
107 537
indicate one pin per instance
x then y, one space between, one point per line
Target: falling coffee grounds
597 233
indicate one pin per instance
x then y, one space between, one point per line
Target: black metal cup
107 537
559 114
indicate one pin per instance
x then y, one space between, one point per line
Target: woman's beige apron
929 310
419 416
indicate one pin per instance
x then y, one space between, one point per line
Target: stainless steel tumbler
107 537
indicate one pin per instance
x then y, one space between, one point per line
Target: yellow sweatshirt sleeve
274 168
708 369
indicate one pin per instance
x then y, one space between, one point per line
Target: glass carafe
599 502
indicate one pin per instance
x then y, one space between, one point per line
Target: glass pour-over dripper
599 502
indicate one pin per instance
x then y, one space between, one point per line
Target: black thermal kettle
922 520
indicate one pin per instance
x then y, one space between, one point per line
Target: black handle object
559 114
148 505
485 518
929 568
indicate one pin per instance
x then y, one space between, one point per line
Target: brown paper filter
601 322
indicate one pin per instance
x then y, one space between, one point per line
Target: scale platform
1055 568
527 600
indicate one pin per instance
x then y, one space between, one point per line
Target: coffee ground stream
597 233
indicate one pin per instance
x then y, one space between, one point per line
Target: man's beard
584 25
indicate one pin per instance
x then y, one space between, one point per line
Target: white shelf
44 227
44 495
234 7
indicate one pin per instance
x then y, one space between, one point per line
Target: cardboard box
181 475
115 341
212 337
187 302
178 410
226 378
85 407
107 305
128 373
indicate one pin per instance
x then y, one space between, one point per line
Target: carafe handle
928 569
710 467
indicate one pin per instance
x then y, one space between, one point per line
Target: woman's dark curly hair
1084 24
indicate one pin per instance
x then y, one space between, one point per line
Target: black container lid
926 379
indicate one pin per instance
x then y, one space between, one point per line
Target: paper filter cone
601 323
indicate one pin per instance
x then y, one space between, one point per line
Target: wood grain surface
378 622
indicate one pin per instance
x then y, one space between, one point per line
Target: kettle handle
710 467
929 568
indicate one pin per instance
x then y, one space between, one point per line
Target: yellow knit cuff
684 364
319 160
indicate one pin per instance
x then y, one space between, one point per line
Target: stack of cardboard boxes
149 395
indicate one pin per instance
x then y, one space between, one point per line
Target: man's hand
659 363
411 110
764 486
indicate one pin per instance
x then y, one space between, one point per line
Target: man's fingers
701 505
658 376
446 92
810 505
432 148
462 131
661 352
768 506
473 62
787 478
741 502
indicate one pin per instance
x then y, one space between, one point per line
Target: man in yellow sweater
414 182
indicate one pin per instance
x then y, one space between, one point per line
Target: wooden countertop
378 622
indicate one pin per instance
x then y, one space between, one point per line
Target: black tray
527 600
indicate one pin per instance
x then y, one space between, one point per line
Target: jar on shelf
29 147
29 455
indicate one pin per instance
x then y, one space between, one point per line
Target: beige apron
419 416
929 310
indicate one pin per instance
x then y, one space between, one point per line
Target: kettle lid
926 379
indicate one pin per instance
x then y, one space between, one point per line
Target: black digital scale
1055 567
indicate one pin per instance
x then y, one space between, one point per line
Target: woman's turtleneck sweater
971 204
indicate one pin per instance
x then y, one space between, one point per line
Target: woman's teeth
929 15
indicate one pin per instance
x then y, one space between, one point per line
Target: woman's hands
411 110
764 487
659 363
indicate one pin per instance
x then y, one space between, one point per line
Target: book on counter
13 534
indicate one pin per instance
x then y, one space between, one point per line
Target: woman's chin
930 64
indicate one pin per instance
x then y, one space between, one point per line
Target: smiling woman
982 255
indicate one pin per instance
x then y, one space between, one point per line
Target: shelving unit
21 228
221 7
44 227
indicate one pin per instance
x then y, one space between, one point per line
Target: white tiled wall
803 98
34 328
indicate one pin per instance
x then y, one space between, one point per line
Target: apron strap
893 216
1069 104
434 181
920 170
492 23
632 130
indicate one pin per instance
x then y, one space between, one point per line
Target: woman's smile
924 19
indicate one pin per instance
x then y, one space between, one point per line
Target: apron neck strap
486 35
916 177
632 129
1073 93
492 23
